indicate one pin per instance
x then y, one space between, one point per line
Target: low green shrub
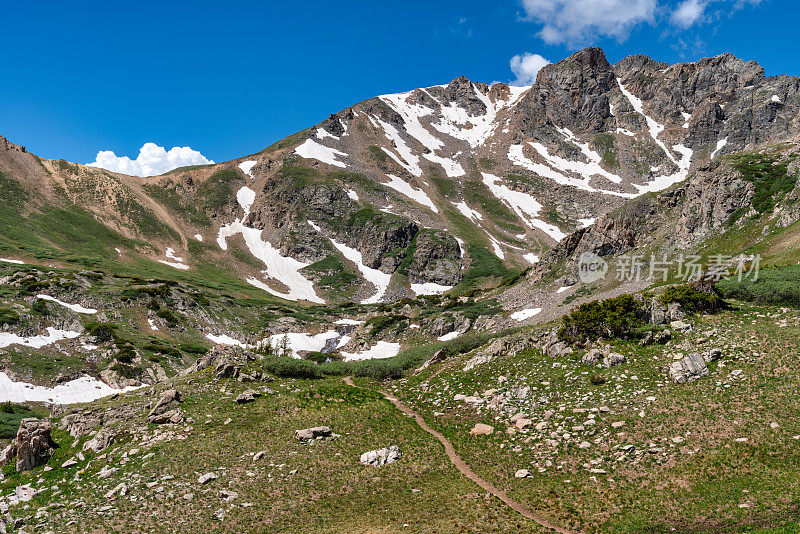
8 316
610 318
777 286
102 332
691 299
193 348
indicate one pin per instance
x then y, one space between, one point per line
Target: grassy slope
296 488
696 485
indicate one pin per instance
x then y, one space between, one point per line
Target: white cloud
526 66
151 161
688 12
577 22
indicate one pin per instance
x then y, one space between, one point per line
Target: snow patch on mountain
468 212
720 145
36 342
83 389
310 149
285 269
524 205
417 195
430 288
247 167
382 349
377 278
77 308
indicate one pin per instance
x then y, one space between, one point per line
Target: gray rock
690 368
206 478
103 439
33 444
166 409
316 433
247 396
613 358
592 357
381 457
712 355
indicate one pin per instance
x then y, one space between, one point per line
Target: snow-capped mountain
414 193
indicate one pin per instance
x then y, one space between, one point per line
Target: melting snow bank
177 264
660 182
429 288
720 145
83 389
531 258
247 166
382 349
377 278
6 260
353 322
526 314
448 337
74 307
523 204
53 335
302 341
417 195
282 268
313 150
562 289
223 339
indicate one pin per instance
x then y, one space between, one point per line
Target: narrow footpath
466 470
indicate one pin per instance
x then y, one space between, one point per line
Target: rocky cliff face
412 190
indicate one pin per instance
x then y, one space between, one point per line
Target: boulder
166 409
712 355
664 336
170 417
592 357
208 477
675 312
482 430
381 457
247 396
522 473
100 441
316 433
613 358
689 368
34 444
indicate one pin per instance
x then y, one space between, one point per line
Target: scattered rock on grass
381 457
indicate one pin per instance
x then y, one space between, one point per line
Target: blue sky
230 78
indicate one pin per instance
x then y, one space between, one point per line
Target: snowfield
526 314
17 262
377 278
720 145
468 212
302 341
77 308
247 166
224 339
83 389
36 342
417 195
524 205
282 268
430 288
382 349
310 149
